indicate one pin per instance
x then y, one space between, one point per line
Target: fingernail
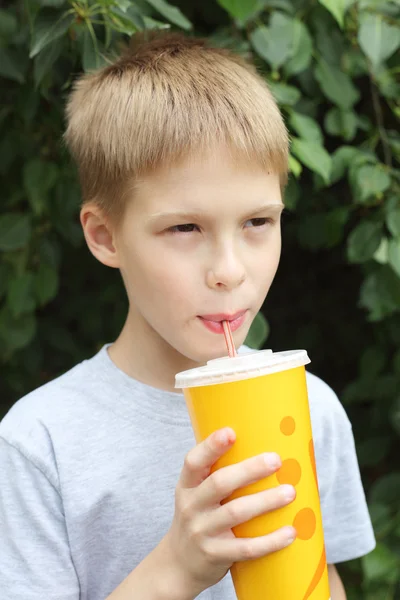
272 460
289 541
222 437
225 436
288 492
291 535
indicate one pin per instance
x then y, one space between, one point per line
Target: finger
239 549
200 459
247 507
226 480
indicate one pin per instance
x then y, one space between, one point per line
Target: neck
143 355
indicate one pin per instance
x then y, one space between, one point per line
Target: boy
182 155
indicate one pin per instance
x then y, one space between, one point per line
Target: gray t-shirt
89 464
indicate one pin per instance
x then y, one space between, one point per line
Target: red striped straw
230 344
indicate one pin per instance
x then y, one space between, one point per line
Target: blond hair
167 97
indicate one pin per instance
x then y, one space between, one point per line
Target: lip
214 322
223 316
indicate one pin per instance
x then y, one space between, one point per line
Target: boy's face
200 239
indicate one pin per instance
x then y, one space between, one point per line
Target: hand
200 540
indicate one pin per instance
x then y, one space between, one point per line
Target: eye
186 228
259 222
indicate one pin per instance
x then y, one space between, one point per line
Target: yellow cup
263 397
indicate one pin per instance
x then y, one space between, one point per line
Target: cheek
157 277
269 256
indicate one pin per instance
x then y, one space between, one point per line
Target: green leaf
12 65
372 362
314 156
39 177
294 166
45 60
45 284
8 23
265 46
363 241
52 3
322 230
306 127
276 43
395 415
171 13
284 94
129 20
382 253
380 513
341 123
92 59
5 275
372 451
336 85
341 160
302 50
15 231
393 222
258 332
330 41
380 293
394 255
292 193
387 84
337 8
49 252
371 180
20 295
378 39
380 564
242 10
16 333
47 30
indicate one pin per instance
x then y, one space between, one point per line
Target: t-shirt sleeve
347 525
35 556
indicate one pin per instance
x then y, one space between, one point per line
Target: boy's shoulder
57 405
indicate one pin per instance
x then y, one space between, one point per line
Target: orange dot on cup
290 472
288 425
305 523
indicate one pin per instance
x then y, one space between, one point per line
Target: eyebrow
275 207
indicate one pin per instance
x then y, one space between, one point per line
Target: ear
99 235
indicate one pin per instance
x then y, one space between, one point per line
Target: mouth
214 322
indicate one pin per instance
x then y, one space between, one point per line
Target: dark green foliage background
334 67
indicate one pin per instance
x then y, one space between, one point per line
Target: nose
226 271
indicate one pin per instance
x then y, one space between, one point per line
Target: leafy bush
333 66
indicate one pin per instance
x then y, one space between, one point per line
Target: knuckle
233 511
217 485
247 550
185 508
210 552
196 533
189 463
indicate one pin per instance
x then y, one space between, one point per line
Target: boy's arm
155 578
35 553
335 584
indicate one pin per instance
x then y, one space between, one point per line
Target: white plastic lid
243 366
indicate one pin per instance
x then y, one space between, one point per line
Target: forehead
207 179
